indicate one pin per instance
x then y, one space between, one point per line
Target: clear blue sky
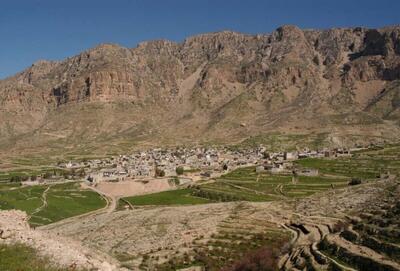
54 29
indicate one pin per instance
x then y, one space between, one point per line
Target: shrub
15 179
355 181
47 175
160 172
261 259
179 170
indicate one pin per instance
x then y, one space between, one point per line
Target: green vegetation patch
361 166
20 257
7 186
24 198
246 184
173 197
62 201
67 200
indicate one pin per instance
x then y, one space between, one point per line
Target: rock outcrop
203 88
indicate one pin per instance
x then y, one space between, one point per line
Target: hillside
340 86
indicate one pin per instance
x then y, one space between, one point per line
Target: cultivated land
315 223
244 185
367 164
174 197
49 203
287 90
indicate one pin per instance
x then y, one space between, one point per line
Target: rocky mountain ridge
216 87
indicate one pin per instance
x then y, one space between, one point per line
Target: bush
160 172
262 259
15 179
47 175
355 181
179 170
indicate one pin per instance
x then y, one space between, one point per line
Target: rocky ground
324 228
65 252
151 236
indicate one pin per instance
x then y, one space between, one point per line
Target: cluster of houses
204 161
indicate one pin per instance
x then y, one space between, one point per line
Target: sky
31 30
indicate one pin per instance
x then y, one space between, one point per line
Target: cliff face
219 86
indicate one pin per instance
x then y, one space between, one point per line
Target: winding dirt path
111 205
253 191
44 202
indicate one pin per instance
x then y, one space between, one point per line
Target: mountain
342 86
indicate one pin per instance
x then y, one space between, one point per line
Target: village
198 163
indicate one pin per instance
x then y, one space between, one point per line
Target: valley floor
240 218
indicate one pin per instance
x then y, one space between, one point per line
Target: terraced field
370 240
49 203
355 229
366 164
249 185
238 238
243 184
239 219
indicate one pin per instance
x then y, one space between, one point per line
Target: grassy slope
19 257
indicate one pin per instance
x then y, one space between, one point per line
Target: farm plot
246 184
241 185
50 203
365 165
173 197
7 186
25 198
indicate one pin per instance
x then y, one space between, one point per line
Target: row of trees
215 196
49 174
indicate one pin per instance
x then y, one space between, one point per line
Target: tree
24 178
15 179
47 175
160 172
179 170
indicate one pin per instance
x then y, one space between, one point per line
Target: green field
6 186
367 164
246 184
63 201
242 185
173 197
19 257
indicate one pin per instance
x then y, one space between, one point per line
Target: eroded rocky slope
223 87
